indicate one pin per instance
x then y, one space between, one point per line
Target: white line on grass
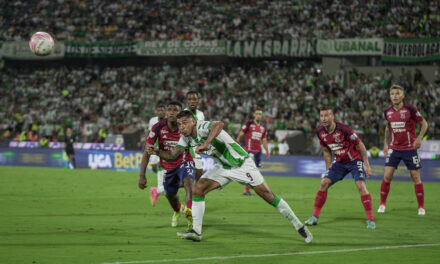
273 255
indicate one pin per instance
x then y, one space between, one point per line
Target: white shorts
198 162
154 159
248 174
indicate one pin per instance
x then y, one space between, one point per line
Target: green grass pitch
99 216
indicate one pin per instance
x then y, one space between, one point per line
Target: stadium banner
314 166
181 48
32 157
79 49
20 50
353 47
60 145
272 48
411 50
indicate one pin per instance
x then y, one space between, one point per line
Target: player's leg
198 163
412 162
284 209
171 186
335 173
391 162
155 192
211 180
186 175
357 171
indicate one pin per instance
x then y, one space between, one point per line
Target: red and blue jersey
402 126
342 142
167 140
253 134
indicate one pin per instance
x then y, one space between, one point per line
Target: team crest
337 140
402 116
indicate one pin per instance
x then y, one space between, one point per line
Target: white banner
372 46
20 50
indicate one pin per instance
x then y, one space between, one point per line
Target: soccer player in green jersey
233 164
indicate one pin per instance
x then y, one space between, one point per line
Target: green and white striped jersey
198 116
223 148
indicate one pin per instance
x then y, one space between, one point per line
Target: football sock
320 199
189 204
160 175
384 190
176 207
284 209
420 194
160 189
198 210
368 206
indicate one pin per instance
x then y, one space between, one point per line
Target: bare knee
325 184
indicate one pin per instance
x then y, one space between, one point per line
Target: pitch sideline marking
273 255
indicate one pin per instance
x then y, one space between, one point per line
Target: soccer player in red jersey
180 170
254 135
402 119
350 157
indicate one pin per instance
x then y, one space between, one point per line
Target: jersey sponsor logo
403 111
397 124
353 137
340 152
335 147
256 135
169 144
163 131
399 130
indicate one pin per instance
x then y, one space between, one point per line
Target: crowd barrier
288 166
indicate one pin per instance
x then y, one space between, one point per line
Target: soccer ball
41 44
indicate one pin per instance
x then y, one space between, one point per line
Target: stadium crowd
93 100
135 20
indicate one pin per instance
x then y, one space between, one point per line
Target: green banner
19 50
352 47
78 49
272 48
181 48
411 50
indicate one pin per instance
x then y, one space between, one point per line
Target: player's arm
423 130
216 128
327 153
144 164
240 135
386 139
364 155
170 155
266 147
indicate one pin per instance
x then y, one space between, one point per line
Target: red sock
320 199
384 190
246 189
176 208
368 206
189 204
420 194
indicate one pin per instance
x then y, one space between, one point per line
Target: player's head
326 116
186 122
258 115
160 110
192 100
173 109
397 94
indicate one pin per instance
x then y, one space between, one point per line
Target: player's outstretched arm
364 155
171 154
144 164
386 139
327 153
266 147
216 128
423 130
240 135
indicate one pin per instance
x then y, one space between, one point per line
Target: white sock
284 209
198 210
160 175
